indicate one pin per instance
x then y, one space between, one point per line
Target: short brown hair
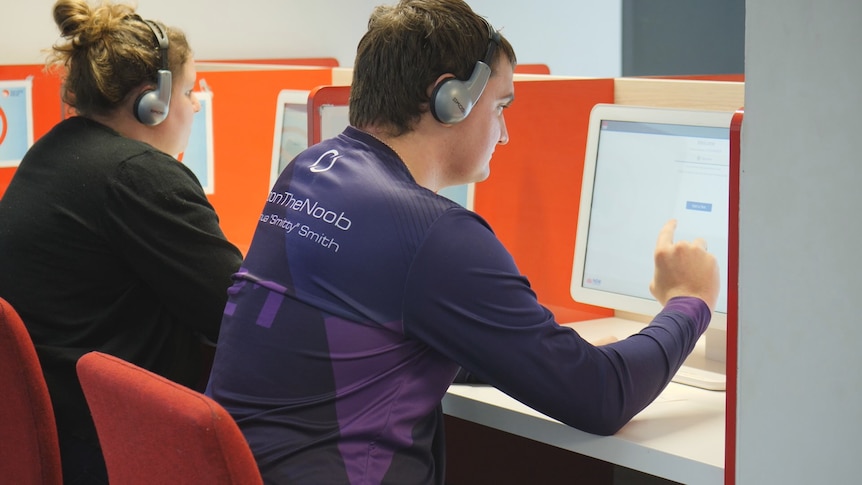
107 53
406 48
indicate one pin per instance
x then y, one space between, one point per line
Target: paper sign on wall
199 152
16 121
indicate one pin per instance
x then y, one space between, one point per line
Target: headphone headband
493 42
162 41
151 107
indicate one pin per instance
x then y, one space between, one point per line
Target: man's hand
684 268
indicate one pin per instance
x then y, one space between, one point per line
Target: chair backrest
153 430
29 450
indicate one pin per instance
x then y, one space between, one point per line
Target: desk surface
680 436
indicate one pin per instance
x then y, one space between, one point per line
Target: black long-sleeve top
109 244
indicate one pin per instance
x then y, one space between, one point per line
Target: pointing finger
665 236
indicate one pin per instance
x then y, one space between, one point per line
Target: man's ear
440 79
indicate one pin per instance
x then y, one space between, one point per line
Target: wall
581 38
662 37
800 275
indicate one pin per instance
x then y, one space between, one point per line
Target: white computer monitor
291 129
642 167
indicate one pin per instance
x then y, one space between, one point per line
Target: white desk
680 436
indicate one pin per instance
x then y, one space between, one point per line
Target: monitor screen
291 129
642 167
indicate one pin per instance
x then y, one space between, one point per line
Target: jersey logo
331 156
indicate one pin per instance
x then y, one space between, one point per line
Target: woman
107 242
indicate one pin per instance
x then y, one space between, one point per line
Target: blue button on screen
698 206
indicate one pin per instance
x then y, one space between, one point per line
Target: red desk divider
531 197
732 299
244 106
318 98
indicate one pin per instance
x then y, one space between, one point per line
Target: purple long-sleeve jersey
359 298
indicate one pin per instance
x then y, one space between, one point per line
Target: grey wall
661 37
799 400
575 37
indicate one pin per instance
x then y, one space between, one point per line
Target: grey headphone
151 107
452 98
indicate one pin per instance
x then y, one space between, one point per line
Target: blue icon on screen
698 206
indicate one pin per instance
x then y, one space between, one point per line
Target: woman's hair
107 52
406 48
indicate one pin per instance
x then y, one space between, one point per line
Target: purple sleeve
466 299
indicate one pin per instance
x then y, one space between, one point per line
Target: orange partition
532 69
244 110
531 198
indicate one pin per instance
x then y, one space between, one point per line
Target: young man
364 291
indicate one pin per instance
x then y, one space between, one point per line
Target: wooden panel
678 93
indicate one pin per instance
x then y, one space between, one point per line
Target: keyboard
704 379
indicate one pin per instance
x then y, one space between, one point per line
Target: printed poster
16 121
199 152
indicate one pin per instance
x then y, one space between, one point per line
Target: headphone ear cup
451 101
149 108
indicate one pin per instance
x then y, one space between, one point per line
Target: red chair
153 430
29 450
